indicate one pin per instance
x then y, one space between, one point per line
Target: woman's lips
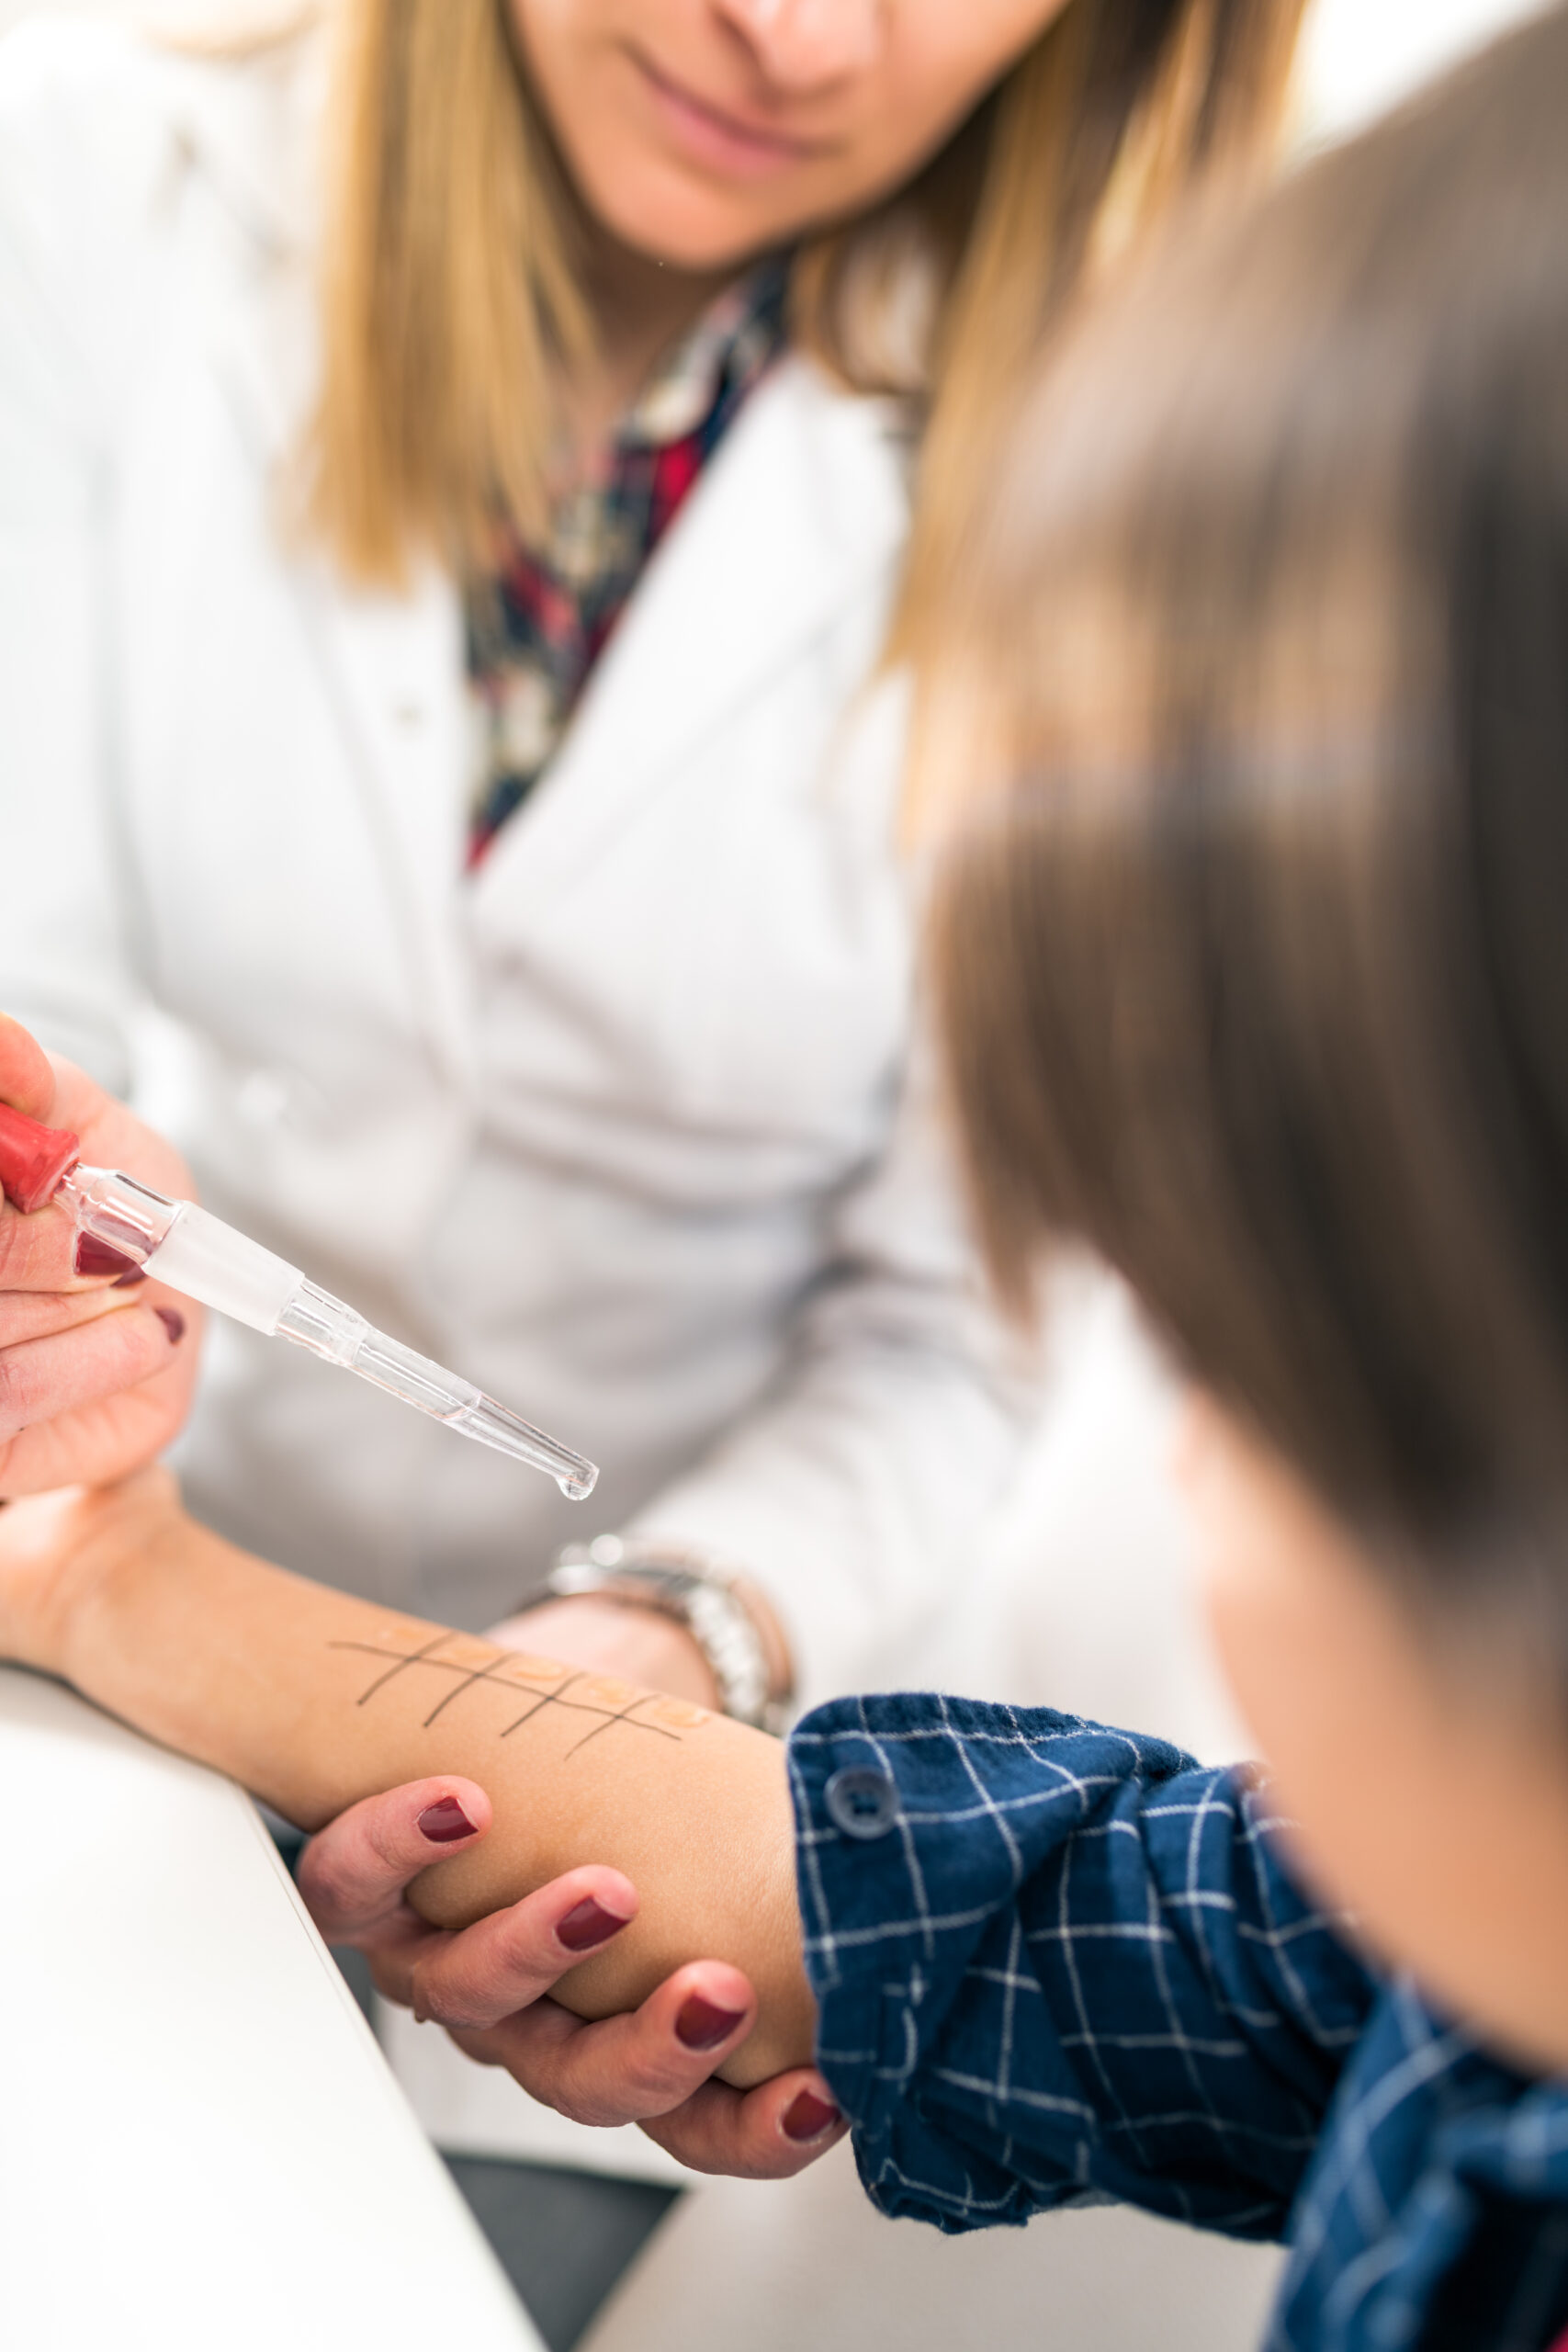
722 141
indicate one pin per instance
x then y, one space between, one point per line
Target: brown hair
448 288
1254 959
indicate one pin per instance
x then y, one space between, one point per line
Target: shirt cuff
909 1878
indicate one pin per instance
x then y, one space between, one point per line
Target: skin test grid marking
601 1696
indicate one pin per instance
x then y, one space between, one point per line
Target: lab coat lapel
390 667
801 507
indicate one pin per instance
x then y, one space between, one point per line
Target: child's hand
94 1380
51 1547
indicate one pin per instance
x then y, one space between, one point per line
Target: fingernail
96 1257
807 2116
588 1925
443 1821
129 1281
702 2026
173 1322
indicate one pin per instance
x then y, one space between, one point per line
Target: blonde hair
450 301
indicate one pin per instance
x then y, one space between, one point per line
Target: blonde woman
468 470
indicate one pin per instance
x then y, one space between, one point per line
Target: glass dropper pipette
195 1252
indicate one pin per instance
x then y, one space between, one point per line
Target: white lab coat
620 1127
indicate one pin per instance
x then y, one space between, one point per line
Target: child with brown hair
1254 971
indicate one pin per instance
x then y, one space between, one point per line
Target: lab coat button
863 1803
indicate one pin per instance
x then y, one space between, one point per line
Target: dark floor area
563 2238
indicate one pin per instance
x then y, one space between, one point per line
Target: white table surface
200 2146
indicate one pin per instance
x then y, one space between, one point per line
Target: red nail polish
701 2024
588 1925
807 2116
96 1257
33 1159
443 1821
173 1322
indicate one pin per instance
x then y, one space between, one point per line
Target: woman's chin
670 217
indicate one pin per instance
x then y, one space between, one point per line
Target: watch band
700 1594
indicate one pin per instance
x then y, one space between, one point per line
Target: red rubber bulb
33 1159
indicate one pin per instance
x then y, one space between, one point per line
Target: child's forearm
314 1700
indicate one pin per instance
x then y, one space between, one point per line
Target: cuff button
862 1802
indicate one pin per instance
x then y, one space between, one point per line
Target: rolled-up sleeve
1057 1963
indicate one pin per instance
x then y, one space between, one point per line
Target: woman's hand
94 1379
490 1987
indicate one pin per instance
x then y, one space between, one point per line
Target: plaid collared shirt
536 628
1057 1963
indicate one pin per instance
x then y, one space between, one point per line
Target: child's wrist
113 1541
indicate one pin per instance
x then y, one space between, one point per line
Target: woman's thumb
27 1081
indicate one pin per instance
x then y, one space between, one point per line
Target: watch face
712 1611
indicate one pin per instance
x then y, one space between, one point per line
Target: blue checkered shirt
1057 1963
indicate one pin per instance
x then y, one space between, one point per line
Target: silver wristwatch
705 1598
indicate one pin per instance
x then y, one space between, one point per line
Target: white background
1363 54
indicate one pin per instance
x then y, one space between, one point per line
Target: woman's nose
802 44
